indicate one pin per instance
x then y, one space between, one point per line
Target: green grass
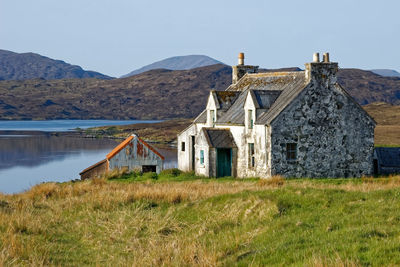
180 219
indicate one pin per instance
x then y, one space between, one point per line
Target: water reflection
29 160
38 150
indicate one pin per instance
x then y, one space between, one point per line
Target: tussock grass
179 219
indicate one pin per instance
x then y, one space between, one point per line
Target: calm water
61 125
26 160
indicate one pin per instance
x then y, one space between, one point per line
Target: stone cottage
131 154
295 124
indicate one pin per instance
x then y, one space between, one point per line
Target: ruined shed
131 154
387 160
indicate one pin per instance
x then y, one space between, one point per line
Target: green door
224 162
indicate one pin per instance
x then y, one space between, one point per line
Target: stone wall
334 136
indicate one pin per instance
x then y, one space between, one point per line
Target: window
212 117
291 151
183 146
202 157
251 155
250 118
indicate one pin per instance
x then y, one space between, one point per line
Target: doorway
224 162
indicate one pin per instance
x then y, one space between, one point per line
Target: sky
115 37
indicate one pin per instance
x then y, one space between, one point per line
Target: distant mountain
155 94
24 66
386 72
177 63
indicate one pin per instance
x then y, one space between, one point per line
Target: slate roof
219 138
226 98
388 156
268 81
271 92
202 118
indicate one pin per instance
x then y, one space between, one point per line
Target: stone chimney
240 70
321 72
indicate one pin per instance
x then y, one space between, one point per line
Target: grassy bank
179 219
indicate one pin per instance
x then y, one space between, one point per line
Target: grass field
180 219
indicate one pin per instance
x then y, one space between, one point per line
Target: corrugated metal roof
219 138
124 143
93 166
119 147
388 156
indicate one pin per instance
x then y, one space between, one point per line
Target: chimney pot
326 57
316 57
241 59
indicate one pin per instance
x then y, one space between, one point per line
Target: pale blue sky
115 37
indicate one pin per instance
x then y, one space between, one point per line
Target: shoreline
163 133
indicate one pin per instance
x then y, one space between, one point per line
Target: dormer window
212 118
250 119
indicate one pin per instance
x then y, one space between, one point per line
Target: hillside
177 63
24 66
386 72
156 94
178 219
367 87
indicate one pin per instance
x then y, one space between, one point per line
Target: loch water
30 159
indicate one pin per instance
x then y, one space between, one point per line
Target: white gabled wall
249 105
211 106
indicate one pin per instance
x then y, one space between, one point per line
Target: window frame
183 146
250 119
291 152
201 157
212 117
251 152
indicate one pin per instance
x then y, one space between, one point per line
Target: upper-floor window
251 155
183 146
250 119
291 151
212 117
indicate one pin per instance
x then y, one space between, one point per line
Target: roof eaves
204 130
93 166
355 102
118 148
214 95
254 98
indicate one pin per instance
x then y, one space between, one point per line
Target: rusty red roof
126 142
119 147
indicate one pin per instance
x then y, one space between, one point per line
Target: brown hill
156 94
22 66
367 87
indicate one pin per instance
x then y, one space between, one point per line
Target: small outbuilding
387 160
132 154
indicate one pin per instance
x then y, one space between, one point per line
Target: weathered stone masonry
295 124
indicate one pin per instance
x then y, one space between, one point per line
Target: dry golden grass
51 200
204 223
387 135
275 180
